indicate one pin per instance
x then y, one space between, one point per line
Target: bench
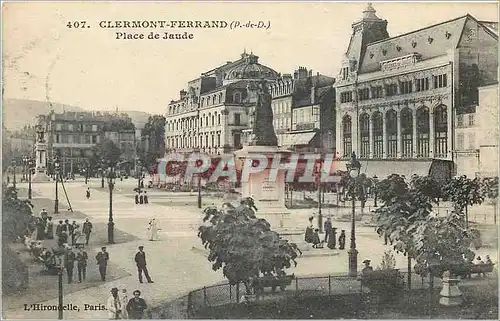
480 269
272 282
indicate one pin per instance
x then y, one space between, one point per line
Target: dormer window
237 97
345 73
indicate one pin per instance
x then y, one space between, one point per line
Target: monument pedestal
40 177
451 294
269 195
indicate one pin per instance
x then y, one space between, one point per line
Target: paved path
173 265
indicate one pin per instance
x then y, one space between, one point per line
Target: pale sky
89 68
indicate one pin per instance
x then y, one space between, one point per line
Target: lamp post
30 167
198 164
353 167
14 170
139 172
320 214
111 224
102 173
25 166
56 173
60 269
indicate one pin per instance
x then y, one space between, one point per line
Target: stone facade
72 135
212 114
397 97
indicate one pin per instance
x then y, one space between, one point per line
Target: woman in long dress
153 230
124 299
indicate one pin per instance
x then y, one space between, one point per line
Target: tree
153 134
106 151
464 192
406 217
490 185
16 214
243 245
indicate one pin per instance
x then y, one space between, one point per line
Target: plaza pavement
173 265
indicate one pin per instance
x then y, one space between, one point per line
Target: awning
298 139
383 168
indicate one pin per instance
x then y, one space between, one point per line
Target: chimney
302 73
310 73
182 94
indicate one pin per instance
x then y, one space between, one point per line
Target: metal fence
221 294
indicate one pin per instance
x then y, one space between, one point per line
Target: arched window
218 119
440 131
406 133
392 133
364 125
347 135
213 120
378 135
423 131
203 102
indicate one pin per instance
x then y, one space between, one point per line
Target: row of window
405 87
76 127
461 120
391 132
76 139
282 122
306 115
204 121
281 108
281 89
202 141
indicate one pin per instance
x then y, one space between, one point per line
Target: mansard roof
304 98
240 84
428 42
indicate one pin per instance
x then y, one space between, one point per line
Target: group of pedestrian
66 232
312 235
119 306
79 256
141 197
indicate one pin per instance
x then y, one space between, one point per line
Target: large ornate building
214 110
402 102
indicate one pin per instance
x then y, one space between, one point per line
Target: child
316 241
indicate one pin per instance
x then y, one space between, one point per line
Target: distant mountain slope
19 112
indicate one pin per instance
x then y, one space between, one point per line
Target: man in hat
136 306
102 261
114 305
140 260
328 229
73 229
81 258
332 239
367 269
59 228
69 260
87 229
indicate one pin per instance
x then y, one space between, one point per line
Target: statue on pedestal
263 128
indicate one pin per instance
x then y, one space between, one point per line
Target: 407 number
77 24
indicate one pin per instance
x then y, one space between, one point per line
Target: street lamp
111 224
14 169
139 172
320 215
59 256
56 173
198 164
25 165
353 168
30 168
102 173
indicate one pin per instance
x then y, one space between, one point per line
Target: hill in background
19 112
